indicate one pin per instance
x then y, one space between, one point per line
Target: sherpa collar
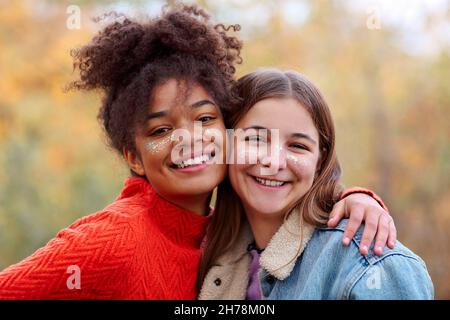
286 246
281 253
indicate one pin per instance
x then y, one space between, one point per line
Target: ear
134 161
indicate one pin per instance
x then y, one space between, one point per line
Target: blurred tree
389 103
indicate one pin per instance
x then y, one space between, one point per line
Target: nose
196 131
282 159
190 135
275 162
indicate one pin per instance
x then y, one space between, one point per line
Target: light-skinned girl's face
286 172
175 108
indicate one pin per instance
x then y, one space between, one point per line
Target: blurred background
384 67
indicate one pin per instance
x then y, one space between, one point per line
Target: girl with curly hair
165 74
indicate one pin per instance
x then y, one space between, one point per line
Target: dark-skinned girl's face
186 169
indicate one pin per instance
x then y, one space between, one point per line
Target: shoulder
98 223
401 273
97 249
100 235
127 212
334 235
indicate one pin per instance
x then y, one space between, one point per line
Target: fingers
370 229
378 223
392 234
336 214
382 233
355 221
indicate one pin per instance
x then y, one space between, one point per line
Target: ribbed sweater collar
179 225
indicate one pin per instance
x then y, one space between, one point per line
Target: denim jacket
313 264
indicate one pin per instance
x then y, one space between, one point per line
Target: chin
197 186
200 189
266 208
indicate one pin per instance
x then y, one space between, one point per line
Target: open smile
194 163
270 183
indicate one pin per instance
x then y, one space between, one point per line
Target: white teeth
195 161
270 183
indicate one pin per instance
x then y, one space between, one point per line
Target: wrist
370 193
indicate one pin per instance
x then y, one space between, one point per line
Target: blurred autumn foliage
389 101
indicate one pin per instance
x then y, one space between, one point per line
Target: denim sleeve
395 277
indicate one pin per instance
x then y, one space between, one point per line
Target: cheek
304 167
158 147
154 153
246 154
232 172
235 180
236 174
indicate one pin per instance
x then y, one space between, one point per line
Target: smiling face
293 157
175 107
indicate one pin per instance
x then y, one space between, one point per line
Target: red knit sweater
139 247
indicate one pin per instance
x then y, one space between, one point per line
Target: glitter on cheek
158 146
300 164
208 134
303 166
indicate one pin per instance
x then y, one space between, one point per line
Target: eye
159 131
255 138
206 118
299 146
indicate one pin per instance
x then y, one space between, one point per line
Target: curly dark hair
127 59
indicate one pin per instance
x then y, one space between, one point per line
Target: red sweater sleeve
86 260
350 191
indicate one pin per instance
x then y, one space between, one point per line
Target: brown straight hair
314 207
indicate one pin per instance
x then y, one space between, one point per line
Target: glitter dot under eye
157 146
298 161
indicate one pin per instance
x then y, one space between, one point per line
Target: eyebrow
164 113
304 136
294 135
256 128
156 115
202 103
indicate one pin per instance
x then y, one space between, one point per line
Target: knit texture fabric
139 247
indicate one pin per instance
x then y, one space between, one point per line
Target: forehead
176 94
285 114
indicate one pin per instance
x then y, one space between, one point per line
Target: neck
264 226
196 204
